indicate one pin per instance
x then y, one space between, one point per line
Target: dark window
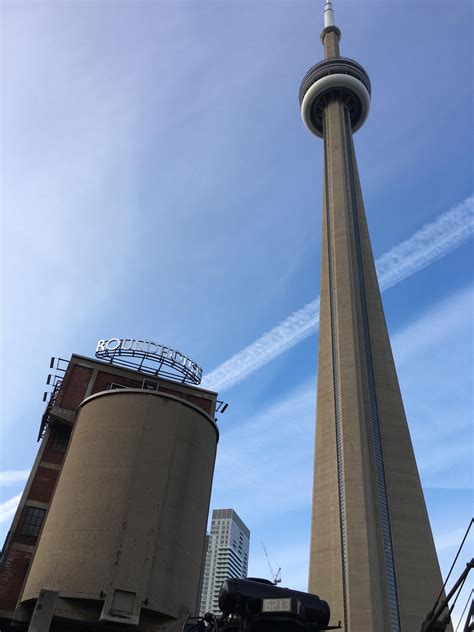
149 385
32 521
110 386
60 439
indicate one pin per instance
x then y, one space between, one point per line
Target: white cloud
8 507
453 539
67 191
435 372
10 477
269 458
424 247
446 317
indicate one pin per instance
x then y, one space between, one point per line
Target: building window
60 438
32 521
148 385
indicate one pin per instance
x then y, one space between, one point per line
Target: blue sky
158 182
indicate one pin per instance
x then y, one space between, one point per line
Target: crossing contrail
427 245
430 243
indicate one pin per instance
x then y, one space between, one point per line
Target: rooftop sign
149 357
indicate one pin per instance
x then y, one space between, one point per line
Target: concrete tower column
372 553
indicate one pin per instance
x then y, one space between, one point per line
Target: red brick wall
77 379
12 576
53 456
43 484
50 454
204 404
104 378
73 389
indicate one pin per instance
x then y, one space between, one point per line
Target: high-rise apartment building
226 556
372 552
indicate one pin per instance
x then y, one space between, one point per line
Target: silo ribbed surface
127 524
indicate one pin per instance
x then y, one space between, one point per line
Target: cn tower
372 551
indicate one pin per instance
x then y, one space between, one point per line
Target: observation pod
124 536
341 79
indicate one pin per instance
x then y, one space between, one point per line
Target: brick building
83 377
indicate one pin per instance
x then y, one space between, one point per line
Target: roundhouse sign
149 357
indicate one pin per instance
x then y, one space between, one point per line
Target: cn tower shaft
372 552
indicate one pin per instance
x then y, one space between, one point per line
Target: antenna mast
328 14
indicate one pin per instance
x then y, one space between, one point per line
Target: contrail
427 245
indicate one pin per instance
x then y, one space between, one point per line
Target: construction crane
276 577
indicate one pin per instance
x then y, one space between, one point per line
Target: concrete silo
123 539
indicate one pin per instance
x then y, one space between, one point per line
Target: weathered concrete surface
127 523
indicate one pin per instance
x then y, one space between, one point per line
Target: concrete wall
127 523
372 553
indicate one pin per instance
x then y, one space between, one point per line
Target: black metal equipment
433 621
257 605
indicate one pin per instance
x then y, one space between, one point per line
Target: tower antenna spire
328 14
